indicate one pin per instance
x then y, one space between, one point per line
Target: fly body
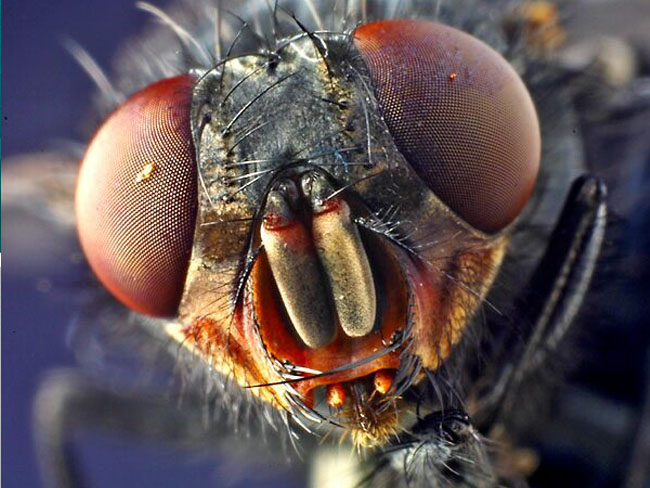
349 222
340 240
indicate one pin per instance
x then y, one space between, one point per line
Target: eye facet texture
460 115
137 197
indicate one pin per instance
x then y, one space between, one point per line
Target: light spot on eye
146 172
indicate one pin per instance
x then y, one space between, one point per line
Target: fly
313 210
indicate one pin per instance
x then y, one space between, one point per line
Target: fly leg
552 298
68 404
441 449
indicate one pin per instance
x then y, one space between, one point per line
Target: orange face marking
383 380
542 27
336 395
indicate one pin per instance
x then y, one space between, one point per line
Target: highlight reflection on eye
137 197
460 115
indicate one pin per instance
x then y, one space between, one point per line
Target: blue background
45 99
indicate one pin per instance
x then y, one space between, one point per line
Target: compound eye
136 198
460 115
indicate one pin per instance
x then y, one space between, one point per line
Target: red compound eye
137 197
459 113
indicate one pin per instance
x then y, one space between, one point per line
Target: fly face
324 216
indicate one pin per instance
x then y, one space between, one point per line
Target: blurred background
46 106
